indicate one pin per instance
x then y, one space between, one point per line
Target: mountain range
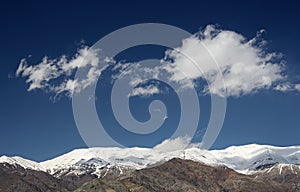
237 168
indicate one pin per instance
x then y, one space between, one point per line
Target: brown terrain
174 175
189 176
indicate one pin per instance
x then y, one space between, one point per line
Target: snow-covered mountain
246 159
253 157
25 163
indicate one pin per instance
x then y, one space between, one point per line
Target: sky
255 43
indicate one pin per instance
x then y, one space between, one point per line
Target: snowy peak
244 159
102 161
103 155
25 163
255 157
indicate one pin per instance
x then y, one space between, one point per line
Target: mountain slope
186 175
16 178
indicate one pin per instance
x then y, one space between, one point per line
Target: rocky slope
186 175
173 175
16 178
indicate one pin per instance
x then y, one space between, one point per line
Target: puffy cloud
44 74
243 65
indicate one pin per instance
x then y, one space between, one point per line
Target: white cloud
284 87
297 87
144 91
244 64
42 75
139 74
178 143
173 144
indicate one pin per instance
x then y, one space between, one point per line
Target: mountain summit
279 165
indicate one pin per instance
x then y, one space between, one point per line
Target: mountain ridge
243 159
116 169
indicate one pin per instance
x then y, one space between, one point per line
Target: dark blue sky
36 128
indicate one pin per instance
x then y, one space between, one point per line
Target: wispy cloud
145 91
284 87
178 143
297 87
244 67
56 75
